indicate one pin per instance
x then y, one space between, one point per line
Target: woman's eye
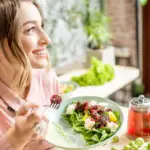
30 29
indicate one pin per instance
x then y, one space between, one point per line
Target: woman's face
32 35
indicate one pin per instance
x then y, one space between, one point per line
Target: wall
123 24
64 24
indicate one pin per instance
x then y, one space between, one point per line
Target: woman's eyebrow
31 21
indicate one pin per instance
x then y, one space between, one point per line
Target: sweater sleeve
5 143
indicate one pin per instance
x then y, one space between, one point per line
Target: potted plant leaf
99 38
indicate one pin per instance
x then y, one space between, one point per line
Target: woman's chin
40 64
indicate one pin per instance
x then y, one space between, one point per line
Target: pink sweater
42 88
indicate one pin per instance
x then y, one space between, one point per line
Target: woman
22 47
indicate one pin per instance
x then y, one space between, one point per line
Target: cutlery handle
41 128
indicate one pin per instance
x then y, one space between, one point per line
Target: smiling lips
41 53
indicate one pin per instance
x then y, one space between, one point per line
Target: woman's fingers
33 119
26 107
28 117
36 136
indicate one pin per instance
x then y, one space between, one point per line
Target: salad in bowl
85 122
92 120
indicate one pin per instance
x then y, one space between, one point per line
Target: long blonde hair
9 29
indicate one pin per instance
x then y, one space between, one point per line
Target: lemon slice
85 116
112 116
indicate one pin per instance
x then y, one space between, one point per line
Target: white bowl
68 94
61 134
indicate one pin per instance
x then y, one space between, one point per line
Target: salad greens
98 74
93 121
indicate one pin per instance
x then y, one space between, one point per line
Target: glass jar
139 118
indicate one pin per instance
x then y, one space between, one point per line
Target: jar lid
141 101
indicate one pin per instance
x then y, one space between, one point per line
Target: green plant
96 25
137 89
98 74
98 31
143 2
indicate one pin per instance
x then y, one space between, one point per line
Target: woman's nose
44 39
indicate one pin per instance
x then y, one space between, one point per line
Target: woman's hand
23 130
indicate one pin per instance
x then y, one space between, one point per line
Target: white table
123 76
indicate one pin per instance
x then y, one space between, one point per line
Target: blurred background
80 28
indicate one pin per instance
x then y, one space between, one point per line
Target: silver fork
55 103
